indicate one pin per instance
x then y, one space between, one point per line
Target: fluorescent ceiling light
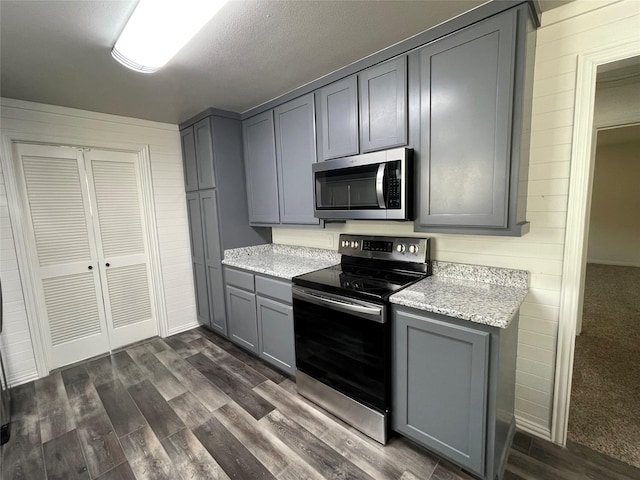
158 29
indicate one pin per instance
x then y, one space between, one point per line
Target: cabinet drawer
239 279
270 287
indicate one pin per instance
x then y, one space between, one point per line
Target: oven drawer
277 289
239 279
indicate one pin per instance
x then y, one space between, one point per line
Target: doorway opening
606 380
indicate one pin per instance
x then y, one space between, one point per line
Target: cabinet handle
90 267
107 264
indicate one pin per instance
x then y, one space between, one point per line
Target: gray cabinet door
467 81
260 166
189 158
383 105
243 324
275 330
204 154
338 119
213 258
296 152
197 256
440 386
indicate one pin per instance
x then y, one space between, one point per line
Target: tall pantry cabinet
216 205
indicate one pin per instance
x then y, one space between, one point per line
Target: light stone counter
486 295
282 261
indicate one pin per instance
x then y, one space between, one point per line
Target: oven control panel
406 249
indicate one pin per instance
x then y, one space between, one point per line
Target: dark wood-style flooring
194 406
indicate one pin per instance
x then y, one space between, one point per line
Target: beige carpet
605 398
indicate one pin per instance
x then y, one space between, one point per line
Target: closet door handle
90 267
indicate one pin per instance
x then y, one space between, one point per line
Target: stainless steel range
342 327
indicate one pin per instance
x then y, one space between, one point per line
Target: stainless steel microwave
372 186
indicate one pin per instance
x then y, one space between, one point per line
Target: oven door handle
380 185
375 314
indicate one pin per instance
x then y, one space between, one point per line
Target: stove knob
401 248
345 243
354 244
413 249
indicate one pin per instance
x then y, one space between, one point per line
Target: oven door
345 344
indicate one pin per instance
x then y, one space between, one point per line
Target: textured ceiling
58 52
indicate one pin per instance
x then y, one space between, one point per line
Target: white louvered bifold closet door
66 261
122 254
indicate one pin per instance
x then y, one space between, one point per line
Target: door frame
578 209
24 250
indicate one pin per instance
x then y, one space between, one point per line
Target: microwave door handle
380 185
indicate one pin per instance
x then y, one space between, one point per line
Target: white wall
566 31
614 232
47 122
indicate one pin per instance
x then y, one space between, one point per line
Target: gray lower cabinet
260 166
213 259
260 316
275 323
295 153
454 388
472 97
202 211
243 324
275 331
197 257
383 105
337 119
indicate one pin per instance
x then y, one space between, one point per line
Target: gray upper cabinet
465 143
204 154
471 95
197 153
337 124
197 256
260 167
296 152
440 376
383 105
189 157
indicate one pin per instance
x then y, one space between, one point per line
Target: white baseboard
528 426
183 328
612 262
14 381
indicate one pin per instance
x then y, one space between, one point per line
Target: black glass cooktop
357 281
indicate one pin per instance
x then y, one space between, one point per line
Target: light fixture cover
158 29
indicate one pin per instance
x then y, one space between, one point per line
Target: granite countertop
282 261
486 295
